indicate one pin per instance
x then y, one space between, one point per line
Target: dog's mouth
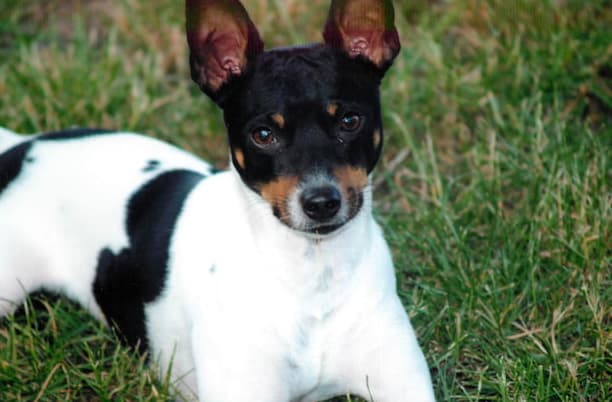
325 229
320 230
317 205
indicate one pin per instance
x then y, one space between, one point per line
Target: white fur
8 139
252 310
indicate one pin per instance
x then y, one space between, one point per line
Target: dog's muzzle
322 203
318 206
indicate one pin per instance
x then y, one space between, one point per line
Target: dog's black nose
321 203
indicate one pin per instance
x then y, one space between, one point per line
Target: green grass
493 189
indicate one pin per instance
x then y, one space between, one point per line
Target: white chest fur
265 292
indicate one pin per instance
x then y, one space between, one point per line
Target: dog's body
269 282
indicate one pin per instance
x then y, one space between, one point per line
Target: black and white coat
194 266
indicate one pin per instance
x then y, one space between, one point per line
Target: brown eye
263 136
350 122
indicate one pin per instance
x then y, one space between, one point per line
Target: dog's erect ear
222 38
363 28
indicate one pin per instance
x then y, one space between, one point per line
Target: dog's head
304 123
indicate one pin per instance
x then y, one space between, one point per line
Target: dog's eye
263 136
350 121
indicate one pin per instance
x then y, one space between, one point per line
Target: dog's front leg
235 367
390 364
23 268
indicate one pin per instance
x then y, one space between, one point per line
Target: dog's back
65 196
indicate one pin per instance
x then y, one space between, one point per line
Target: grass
493 189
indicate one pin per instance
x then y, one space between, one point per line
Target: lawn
493 189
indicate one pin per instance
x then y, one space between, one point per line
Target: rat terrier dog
269 282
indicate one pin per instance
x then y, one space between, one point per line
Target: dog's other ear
222 38
364 28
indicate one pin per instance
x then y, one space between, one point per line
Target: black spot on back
136 275
73 133
11 163
151 166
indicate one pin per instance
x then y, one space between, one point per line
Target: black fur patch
215 170
126 281
11 163
151 166
72 134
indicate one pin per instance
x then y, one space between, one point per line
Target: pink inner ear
363 28
359 46
228 50
221 38
231 65
221 56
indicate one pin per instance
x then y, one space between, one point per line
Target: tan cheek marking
354 177
332 108
277 192
279 119
239 157
351 178
377 138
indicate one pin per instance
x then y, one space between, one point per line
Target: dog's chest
317 286
293 294
312 324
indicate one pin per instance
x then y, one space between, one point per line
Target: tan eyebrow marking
278 119
377 138
332 108
239 157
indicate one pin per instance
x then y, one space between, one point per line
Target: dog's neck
304 259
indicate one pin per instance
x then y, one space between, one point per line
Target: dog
270 281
